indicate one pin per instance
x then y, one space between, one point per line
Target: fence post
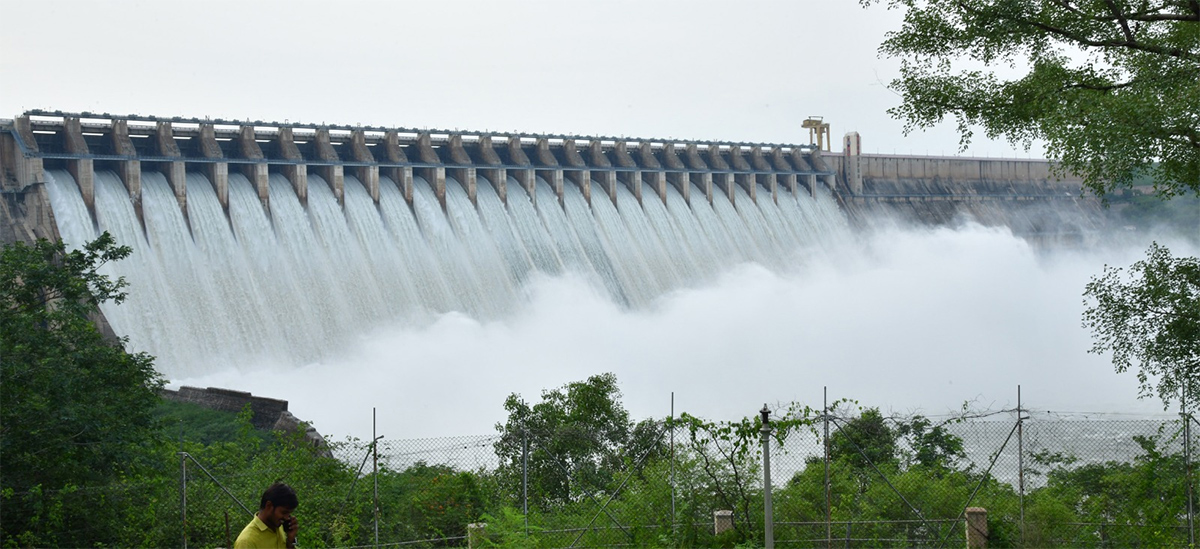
977 530
828 487
375 472
1021 462
525 477
674 517
475 534
722 521
183 495
768 519
1187 464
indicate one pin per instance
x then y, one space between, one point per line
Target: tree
1111 86
1140 500
435 501
77 408
577 437
1150 317
892 479
874 440
865 441
932 445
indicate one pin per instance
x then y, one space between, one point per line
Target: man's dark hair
280 495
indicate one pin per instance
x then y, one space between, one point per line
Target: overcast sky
696 69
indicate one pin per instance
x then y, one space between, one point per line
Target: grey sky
688 70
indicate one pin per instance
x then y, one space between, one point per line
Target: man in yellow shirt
273 526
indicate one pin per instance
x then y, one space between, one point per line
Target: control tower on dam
1023 194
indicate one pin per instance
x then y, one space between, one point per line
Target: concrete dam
264 242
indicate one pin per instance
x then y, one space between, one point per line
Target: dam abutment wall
1032 197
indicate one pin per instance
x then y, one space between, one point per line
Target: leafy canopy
1149 317
1112 87
577 439
865 441
77 409
873 441
574 436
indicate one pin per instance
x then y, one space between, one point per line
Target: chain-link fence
846 478
1038 481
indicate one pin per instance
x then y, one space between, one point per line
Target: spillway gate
83 143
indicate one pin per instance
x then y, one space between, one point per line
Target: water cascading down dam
279 243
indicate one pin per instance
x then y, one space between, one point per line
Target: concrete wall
876 167
25 214
1030 197
875 175
267 413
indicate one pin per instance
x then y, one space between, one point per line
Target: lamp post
768 520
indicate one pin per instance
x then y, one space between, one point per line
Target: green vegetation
900 479
77 409
1149 317
194 423
578 437
1111 87
1140 503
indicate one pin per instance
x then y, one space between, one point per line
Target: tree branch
1149 14
1120 19
1132 44
1171 314
1156 13
1129 41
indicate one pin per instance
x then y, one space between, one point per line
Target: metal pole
828 494
1187 463
375 471
1187 459
183 494
674 533
525 477
768 519
182 485
1021 461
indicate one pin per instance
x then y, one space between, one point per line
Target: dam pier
130 145
930 189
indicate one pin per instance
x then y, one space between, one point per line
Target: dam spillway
596 165
278 260
265 243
